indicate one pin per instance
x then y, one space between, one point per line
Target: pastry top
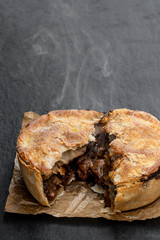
135 150
44 141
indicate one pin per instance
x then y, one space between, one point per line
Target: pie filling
56 181
92 167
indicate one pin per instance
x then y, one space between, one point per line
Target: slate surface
74 54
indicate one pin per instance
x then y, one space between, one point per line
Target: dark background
58 54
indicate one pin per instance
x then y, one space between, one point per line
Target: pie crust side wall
34 182
137 195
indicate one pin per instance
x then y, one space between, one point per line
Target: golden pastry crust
135 155
58 136
43 142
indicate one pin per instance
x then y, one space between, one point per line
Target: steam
81 53
88 61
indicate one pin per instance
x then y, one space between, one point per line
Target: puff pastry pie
119 152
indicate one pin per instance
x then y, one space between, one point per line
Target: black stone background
58 54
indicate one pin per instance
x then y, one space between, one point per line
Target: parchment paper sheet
78 200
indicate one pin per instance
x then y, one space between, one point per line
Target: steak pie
120 153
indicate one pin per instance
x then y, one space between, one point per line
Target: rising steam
81 53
